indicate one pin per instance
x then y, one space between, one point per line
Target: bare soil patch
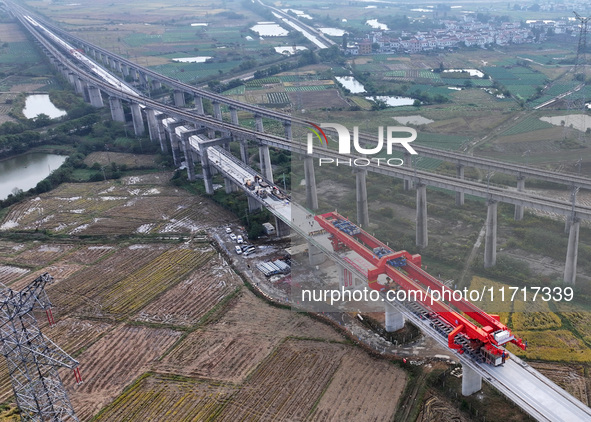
359 372
42 255
318 99
571 377
10 273
130 160
11 32
192 298
285 387
112 363
230 348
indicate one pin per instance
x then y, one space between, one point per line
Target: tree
42 120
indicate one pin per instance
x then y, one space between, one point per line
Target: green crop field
190 72
19 53
308 88
257 83
239 90
277 98
528 125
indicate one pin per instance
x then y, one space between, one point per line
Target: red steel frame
416 279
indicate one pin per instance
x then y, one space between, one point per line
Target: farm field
136 204
232 345
288 382
129 160
358 372
156 324
168 399
192 298
135 348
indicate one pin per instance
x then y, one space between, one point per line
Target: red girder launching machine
481 330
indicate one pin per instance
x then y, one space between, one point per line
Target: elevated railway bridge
190 135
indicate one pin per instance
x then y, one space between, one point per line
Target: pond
40 103
25 171
351 84
580 122
393 101
471 72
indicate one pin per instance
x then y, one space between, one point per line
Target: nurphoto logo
345 145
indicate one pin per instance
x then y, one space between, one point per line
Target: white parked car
238 249
239 239
233 237
228 230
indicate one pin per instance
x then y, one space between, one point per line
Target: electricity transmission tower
33 359
581 59
575 101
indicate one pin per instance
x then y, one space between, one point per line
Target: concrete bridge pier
407 163
207 176
567 224
125 70
288 132
244 150
258 123
471 381
94 94
117 113
315 255
518 216
136 74
174 143
187 152
265 162
572 251
152 125
71 78
310 177
114 65
156 84
234 116
281 228
460 175
179 98
138 120
217 111
199 105
422 234
143 79
253 204
229 185
162 133
361 194
346 279
79 84
490 241
394 320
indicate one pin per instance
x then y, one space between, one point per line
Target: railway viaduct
190 134
166 124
